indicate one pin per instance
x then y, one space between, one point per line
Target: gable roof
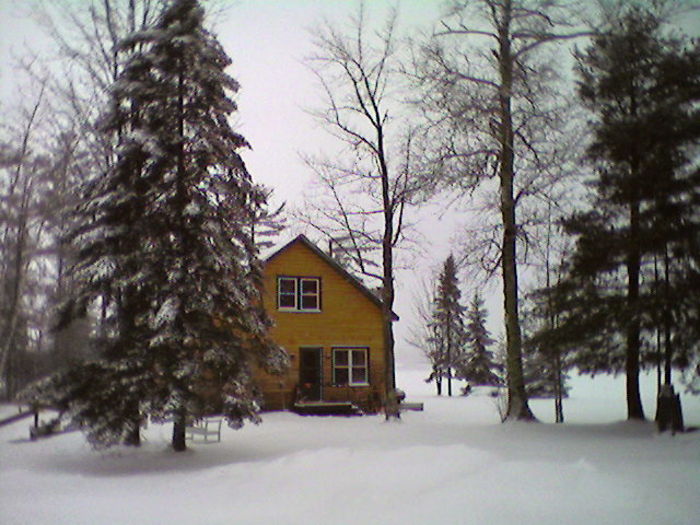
333 264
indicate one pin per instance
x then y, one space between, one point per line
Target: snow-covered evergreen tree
477 364
170 249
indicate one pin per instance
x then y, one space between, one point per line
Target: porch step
326 408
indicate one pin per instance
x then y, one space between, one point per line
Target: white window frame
298 293
280 294
316 294
350 365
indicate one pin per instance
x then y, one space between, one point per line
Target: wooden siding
348 318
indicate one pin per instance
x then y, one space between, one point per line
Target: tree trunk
133 436
179 424
391 409
634 400
180 416
133 433
558 389
556 361
668 348
517 397
449 355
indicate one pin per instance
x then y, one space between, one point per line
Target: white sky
268 42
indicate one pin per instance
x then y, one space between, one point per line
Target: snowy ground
452 464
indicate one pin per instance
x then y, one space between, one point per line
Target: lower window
350 366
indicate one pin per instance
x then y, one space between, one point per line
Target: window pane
309 302
288 301
287 292
341 376
288 286
359 357
359 374
309 286
341 357
310 294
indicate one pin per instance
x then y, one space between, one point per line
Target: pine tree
477 363
541 379
545 362
171 249
547 358
641 88
448 335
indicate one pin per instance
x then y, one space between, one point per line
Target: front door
310 373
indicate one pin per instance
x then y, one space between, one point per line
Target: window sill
358 385
297 311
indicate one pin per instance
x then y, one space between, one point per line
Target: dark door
310 373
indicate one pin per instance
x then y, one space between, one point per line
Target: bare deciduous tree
23 172
54 144
486 87
88 60
367 186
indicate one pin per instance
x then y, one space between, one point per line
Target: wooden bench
205 427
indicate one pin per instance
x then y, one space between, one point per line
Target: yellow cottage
331 326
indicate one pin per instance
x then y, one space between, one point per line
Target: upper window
350 366
299 294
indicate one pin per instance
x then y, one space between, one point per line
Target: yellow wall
347 318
